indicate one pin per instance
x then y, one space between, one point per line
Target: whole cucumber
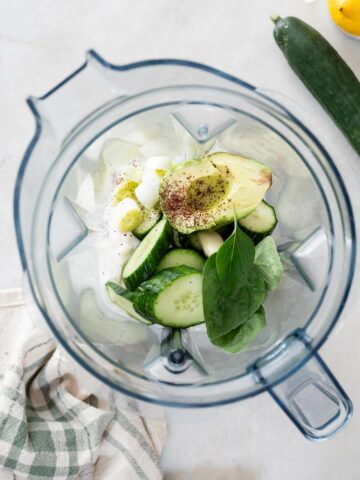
324 73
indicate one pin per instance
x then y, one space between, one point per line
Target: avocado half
203 195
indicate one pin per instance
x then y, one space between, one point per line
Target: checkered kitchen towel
52 429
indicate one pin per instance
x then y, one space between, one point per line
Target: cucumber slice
144 260
150 219
261 222
182 256
123 299
172 297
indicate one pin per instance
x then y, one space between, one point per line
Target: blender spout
66 107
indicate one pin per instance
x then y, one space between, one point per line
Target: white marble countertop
41 42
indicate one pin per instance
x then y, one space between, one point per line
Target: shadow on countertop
210 473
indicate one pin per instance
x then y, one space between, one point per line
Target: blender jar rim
245 85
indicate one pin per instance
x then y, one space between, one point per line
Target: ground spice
194 209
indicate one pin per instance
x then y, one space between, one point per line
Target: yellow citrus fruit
346 15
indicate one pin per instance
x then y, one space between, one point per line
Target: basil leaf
214 301
237 339
269 263
234 259
222 312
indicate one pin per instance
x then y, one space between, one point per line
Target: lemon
346 15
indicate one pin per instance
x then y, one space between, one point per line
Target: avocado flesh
203 195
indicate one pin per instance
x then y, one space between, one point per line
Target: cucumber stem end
275 18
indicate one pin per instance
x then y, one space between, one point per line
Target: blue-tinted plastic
153 78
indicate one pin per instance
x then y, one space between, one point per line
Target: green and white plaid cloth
52 429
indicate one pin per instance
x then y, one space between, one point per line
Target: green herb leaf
268 261
225 313
234 259
237 339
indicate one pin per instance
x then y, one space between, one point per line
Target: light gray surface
43 41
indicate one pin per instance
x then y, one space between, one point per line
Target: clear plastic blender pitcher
163 106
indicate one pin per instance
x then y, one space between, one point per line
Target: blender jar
184 109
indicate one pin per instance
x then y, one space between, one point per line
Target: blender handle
314 400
